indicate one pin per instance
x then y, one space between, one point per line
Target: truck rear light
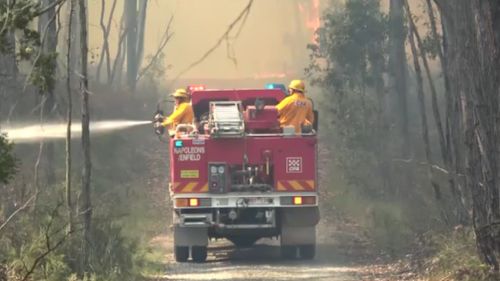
309 200
191 202
194 202
297 200
182 202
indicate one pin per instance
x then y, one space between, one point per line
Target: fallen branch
20 209
433 166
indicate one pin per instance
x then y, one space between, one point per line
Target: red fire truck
236 174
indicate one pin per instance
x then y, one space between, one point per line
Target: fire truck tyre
181 253
199 253
243 242
288 252
307 252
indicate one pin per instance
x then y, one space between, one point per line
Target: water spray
35 133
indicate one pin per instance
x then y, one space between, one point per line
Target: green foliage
7 160
18 15
352 37
113 255
43 75
348 64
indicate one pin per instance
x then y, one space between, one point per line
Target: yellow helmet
297 85
180 93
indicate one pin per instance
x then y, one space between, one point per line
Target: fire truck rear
237 175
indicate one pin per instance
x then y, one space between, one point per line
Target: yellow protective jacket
183 114
295 110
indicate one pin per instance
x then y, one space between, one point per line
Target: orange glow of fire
312 16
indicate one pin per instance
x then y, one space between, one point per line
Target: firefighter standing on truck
183 112
296 110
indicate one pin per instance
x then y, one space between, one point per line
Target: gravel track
259 263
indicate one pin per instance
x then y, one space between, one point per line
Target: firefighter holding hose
183 113
296 110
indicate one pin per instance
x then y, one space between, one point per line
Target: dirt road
262 262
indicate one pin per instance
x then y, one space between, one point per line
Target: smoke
311 14
272 43
36 133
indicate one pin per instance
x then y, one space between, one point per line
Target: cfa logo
300 103
293 165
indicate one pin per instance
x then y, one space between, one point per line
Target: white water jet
36 133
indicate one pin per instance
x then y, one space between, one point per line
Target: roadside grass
154 262
456 259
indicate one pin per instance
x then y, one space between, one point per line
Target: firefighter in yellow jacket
183 112
296 110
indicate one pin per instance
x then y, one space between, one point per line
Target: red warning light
194 88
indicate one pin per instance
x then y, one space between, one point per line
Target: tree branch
48 8
225 36
165 39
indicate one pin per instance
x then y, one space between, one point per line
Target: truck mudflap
300 217
298 228
189 236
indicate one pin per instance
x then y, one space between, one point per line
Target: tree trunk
474 65
8 75
398 72
423 116
141 33
75 39
69 112
105 53
47 23
131 17
86 208
459 211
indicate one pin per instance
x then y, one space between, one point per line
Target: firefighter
296 110
183 112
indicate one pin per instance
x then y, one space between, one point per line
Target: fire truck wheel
199 253
307 252
288 252
181 253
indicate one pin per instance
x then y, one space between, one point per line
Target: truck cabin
234 113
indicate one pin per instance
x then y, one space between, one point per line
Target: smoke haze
272 42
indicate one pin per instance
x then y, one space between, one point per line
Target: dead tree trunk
69 112
105 53
86 207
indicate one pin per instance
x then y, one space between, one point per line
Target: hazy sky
273 40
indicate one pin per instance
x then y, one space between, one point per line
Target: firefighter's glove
158 117
159 129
